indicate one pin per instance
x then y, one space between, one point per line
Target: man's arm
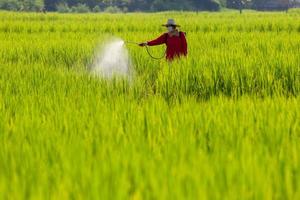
158 41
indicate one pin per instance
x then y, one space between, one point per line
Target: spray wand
129 42
147 49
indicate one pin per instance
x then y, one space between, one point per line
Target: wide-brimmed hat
171 22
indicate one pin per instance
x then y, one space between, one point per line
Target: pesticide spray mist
113 60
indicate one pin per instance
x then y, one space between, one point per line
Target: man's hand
143 44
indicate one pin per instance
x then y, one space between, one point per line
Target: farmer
174 39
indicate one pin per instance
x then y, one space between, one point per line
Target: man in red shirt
175 41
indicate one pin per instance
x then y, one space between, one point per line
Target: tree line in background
110 5
262 4
82 6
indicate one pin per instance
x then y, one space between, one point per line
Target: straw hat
171 22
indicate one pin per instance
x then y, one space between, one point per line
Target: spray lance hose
148 51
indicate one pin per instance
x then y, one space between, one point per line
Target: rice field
224 123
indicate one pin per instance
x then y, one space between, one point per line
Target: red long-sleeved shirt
176 45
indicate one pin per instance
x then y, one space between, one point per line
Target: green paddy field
222 124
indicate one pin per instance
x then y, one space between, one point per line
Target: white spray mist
113 60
